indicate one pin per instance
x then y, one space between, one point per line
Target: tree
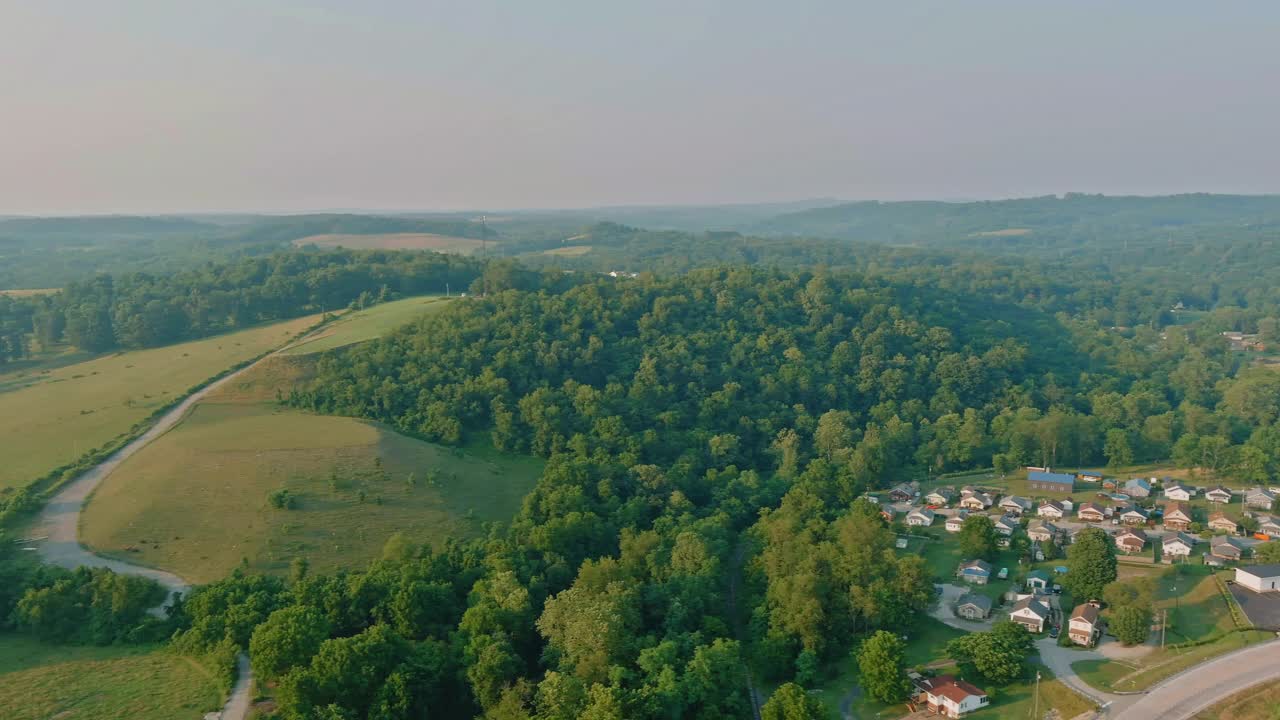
880 662
288 638
1268 552
1131 623
1117 448
1003 463
1091 564
791 702
999 655
978 537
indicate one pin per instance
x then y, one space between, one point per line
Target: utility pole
1036 712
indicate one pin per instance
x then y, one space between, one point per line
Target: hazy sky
132 106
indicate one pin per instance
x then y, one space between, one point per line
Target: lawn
396 241
195 501
369 323
51 416
1161 664
1261 702
40 682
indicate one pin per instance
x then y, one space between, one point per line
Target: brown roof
1176 507
1085 611
952 689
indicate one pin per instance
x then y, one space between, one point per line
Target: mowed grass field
1261 702
30 292
41 682
370 323
51 416
395 241
569 251
195 501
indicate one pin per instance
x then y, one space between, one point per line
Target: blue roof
1138 482
1037 476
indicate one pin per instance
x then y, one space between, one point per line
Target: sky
238 105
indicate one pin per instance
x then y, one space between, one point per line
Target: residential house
1226 548
1091 512
956 522
1038 580
1219 522
1089 476
1131 541
1259 578
1178 545
1084 627
1260 498
940 496
1030 612
920 517
949 697
1138 488
1218 494
888 513
1134 516
905 492
972 606
977 572
1006 525
1015 505
1179 492
1042 531
977 501
1051 509
1177 516
1051 482
1269 527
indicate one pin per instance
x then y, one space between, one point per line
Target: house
1179 492
1083 628
920 517
1226 548
1030 612
1269 527
1259 578
1131 541
940 496
1218 494
1134 516
950 697
1260 498
1177 516
888 513
904 492
973 606
1219 522
1015 505
1006 525
956 522
1038 580
1178 545
1138 488
1042 531
977 501
873 499
1051 509
1051 482
977 572
1090 512
1037 552
1089 476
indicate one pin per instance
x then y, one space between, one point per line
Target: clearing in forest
51 416
40 681
569 251
373 322
395 241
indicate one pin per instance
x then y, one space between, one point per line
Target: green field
1257 703
195 501
41 682
368 324
51 416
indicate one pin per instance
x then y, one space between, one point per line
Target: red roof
950 688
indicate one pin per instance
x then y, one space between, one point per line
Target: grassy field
30 292
51 416
41 682
1257 703
196 500
395 241
569 251
368 324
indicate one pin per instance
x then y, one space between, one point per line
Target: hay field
395 241
569 251
30 292
50 417
370 323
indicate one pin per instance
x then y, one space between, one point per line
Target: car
1003 574
1053 631
1057 589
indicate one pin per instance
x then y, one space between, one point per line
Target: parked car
1053 631
1057 589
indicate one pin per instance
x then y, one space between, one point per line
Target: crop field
569 251
196 502
39 682
369 323
395 241
50 416
29 292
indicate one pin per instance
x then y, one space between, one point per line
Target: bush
282 499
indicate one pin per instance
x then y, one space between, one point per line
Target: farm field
1261 702
195 501
395 241
569 251
29 292
39 681
50 417
370 323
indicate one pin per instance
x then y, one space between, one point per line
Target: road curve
1201 686
59 525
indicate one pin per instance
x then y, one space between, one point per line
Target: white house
1270 527
977 501
1259 578
1218 494
1179 492
1016 505
1030 612
1179 545
1042 531
1134 516
1084 628
1260 498
940 496
956 522
920 517
1006 525
950 697
1051 509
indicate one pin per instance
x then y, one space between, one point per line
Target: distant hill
100 225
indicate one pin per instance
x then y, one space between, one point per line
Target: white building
920 517
1030 612
1259 578
951 697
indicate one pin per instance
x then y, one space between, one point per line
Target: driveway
1059 660
1187 693
943 610
1263 610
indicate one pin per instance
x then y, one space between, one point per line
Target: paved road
59 523
1193 690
